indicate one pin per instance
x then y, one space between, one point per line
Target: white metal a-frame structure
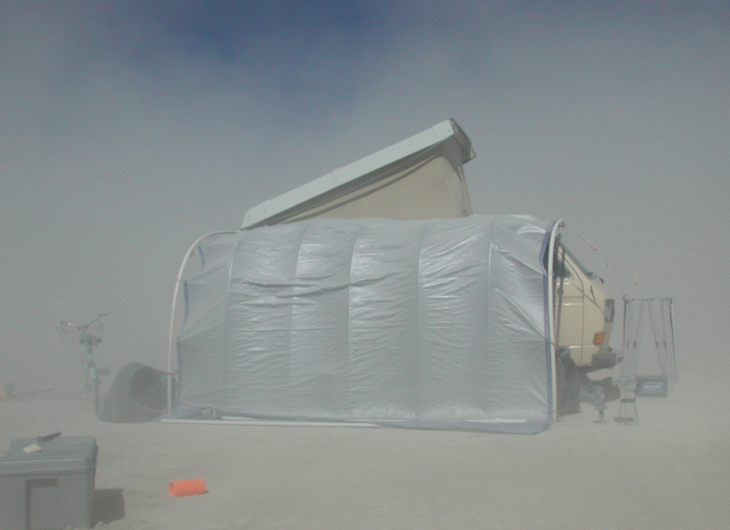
654 314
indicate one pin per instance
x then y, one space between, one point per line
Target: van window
565 273
560 267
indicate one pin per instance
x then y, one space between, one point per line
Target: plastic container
48 489
651 386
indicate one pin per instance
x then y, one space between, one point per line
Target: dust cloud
129 130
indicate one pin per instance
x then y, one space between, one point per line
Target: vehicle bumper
603 360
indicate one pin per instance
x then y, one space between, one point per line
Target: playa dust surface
670 471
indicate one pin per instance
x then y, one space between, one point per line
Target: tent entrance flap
437 323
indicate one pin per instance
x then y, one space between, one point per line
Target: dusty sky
128 129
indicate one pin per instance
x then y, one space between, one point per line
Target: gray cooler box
50 489
651 385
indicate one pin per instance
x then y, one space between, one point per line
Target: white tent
436 323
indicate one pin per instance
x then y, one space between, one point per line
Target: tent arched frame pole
557 226
176 291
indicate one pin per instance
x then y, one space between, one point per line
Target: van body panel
584 314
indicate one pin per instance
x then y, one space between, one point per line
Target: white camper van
583 311
422 177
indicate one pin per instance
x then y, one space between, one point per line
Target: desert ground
669 471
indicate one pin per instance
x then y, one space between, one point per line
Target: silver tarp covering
438 323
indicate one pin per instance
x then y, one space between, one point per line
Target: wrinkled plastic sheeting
438 323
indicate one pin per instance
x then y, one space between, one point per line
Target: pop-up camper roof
420 177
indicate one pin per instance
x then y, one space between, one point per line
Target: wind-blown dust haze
128 129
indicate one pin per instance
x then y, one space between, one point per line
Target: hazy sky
128 129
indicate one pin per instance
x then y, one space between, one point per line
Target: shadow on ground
108 505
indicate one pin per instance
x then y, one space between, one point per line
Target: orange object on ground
190 486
